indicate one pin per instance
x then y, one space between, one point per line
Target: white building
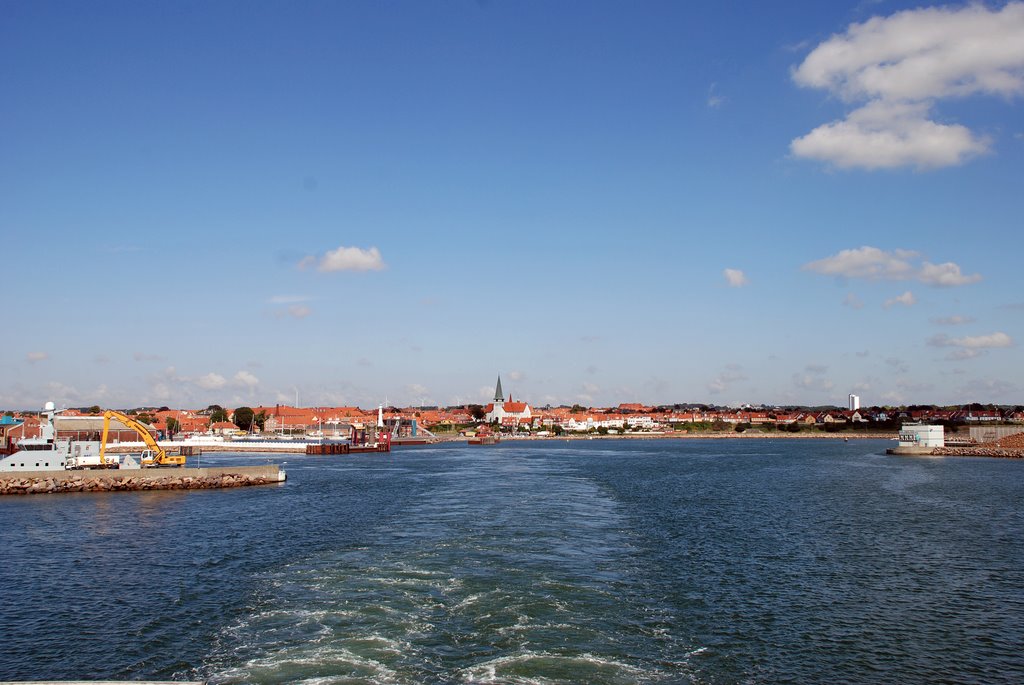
854 402
921 435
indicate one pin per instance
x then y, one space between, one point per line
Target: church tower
499 398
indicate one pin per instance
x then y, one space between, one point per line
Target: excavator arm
159 458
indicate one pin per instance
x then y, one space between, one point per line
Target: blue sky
605 202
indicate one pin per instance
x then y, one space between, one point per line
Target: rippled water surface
755 561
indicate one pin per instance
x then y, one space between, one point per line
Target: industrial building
922 435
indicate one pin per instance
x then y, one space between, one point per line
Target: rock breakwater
980 451
86 482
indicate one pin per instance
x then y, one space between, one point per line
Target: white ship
49 453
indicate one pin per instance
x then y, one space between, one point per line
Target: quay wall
211 446
99 480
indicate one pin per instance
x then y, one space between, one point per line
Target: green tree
173 426
244 417
218 414
260 419
576 409
477 412
95 409
145 418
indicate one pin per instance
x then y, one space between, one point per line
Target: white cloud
952 320
900 66
211 381
907 299
735 278
61 393
883 136
346 259
160 391
715 100
33 357
947 274
516 375
245 379
874 264
923 54
971 346
973 341
299 311
866 262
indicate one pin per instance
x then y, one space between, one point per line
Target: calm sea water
594 562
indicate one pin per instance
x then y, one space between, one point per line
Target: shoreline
710 435
270 448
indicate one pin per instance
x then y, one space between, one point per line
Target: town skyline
360 203
621 407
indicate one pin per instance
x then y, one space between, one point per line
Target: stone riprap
980 451
46 482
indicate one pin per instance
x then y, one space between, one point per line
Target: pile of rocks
89 483
1015 441
987 450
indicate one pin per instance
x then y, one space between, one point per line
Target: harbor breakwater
48 482
980 451
973 451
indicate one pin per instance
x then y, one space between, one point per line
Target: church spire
498 396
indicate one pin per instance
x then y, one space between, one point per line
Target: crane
154 454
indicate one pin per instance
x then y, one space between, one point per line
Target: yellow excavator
154 455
